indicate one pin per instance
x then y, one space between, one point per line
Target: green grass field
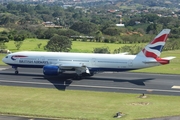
2 29
84 105
1 56
77 46
28 45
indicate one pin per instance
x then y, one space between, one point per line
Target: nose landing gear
16 70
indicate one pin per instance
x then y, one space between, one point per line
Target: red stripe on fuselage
20 56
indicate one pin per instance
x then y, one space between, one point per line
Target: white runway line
89 86
175 87
3 69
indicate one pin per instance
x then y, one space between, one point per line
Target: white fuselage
94 62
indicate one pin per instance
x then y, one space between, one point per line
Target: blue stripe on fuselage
90 69
111 69
26 66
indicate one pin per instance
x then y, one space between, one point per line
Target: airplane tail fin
154 48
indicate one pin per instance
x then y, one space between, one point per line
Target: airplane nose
3 59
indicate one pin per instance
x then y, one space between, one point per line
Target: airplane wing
74 65
169 58
125 53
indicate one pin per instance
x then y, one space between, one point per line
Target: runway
125 82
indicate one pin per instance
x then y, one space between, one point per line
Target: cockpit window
6 56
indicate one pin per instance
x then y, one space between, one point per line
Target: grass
84 104
1 56
28 45
77 46
89 46
2 29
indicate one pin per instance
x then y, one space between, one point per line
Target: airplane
55 63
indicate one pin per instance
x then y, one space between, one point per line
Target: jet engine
51 70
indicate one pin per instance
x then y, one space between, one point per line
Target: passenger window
6 56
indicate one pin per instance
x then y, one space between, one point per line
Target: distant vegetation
96 24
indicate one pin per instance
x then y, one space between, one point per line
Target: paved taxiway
126 82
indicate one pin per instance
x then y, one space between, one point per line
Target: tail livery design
154 48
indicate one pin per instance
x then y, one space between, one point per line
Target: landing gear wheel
78 77
16 72
91 73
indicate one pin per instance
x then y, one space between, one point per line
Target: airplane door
42 58
93 61
130 63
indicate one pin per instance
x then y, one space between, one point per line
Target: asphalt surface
126 82
5 117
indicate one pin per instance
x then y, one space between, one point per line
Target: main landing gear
82 75
16 70
78 77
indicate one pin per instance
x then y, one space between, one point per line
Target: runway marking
3 69
88 86
157 74
175 87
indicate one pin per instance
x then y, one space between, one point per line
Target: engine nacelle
51 70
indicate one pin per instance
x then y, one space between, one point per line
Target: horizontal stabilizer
162 61
125 53
151 61
169 58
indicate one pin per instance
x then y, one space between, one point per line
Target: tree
85 27
50 33
2 45
39 45
101 50
59 44
3 39
112 31
98 36
68 32
18 39
150 18
18 44
154 28
40 33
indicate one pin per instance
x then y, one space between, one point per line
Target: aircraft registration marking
176 87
